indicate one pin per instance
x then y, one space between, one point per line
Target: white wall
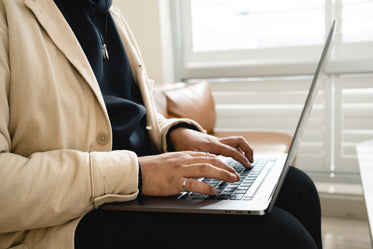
150 22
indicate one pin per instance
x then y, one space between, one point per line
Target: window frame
346 57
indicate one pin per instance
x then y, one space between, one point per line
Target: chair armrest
262 142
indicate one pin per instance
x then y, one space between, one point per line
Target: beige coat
56 162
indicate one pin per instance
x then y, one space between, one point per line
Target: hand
236 147
163 174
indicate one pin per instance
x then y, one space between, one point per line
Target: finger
200 170
241 144
200 154
239 149
191 157
220 164
229 151
193 185
213 160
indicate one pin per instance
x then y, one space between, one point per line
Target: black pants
295 222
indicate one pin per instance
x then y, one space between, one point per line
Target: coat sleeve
51 188
48 188
166 124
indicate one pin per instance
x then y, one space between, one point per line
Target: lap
170 230
116 229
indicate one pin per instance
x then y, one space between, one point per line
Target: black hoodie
93 26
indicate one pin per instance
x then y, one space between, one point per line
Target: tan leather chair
195 101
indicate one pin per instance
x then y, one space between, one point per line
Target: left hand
236 147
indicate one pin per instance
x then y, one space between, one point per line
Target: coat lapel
54 23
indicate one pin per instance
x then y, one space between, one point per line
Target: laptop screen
307 108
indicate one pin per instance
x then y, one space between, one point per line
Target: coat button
102 138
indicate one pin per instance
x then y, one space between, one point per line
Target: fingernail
249 164
233 178
212 190
238 177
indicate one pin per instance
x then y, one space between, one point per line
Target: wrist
174 130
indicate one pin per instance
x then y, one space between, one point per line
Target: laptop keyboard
245 188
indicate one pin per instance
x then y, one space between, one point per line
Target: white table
365 157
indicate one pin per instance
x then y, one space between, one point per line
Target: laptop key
236 197
199 197
224 197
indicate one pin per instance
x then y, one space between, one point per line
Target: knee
301 181
287 232
299 193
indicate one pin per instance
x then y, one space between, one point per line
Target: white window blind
342 115
354 118
275 105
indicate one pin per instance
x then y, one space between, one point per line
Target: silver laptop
256 192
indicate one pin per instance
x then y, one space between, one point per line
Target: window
357 19
259 57
237 25
256 38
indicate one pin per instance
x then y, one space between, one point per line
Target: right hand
163 175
